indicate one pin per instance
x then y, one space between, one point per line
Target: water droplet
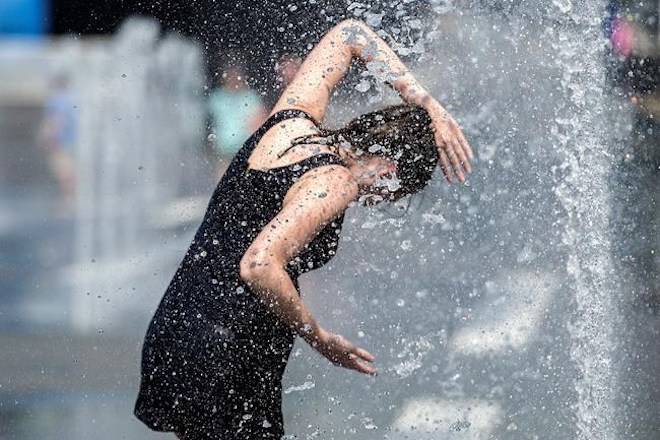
363 86
307 385
368 423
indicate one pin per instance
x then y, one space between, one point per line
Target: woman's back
207 304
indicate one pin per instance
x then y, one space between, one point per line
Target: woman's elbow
255 267
248 269
353 34
350 23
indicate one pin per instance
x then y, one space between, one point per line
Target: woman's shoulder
330 180
274 148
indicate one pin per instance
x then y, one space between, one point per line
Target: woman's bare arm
329 61
313 202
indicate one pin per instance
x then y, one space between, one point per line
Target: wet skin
324 193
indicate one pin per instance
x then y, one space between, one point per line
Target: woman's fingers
462 158
455 162
356 352
460 145
357 362
358 359
444 165
365 368
340 351
455 152
465 150
364 354
452 156
465 144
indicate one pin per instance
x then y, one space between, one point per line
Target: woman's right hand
454 152
340 351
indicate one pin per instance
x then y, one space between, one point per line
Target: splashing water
580 135
307 385
413 353
532 382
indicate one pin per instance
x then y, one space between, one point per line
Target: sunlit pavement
503 323
508 318
436 419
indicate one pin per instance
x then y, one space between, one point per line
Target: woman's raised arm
329 61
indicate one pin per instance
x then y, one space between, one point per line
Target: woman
216 349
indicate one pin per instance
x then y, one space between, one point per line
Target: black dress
214 355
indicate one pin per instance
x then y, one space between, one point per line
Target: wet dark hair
401 133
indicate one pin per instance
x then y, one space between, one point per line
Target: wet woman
216 348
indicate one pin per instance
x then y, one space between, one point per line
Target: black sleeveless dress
214 355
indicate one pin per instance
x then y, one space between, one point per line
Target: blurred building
140 112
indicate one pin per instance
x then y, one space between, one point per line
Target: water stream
581 133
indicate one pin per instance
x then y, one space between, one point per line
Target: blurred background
522 305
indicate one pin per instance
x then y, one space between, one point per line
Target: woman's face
376 177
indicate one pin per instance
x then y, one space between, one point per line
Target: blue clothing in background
231 113
62 110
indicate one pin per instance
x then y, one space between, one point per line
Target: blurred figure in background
286 67
57 136
236 111
635 39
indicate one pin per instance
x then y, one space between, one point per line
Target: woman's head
392 150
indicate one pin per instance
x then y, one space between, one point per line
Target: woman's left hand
340 351
453 149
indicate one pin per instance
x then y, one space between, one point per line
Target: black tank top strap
291 113
278 117
315 161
